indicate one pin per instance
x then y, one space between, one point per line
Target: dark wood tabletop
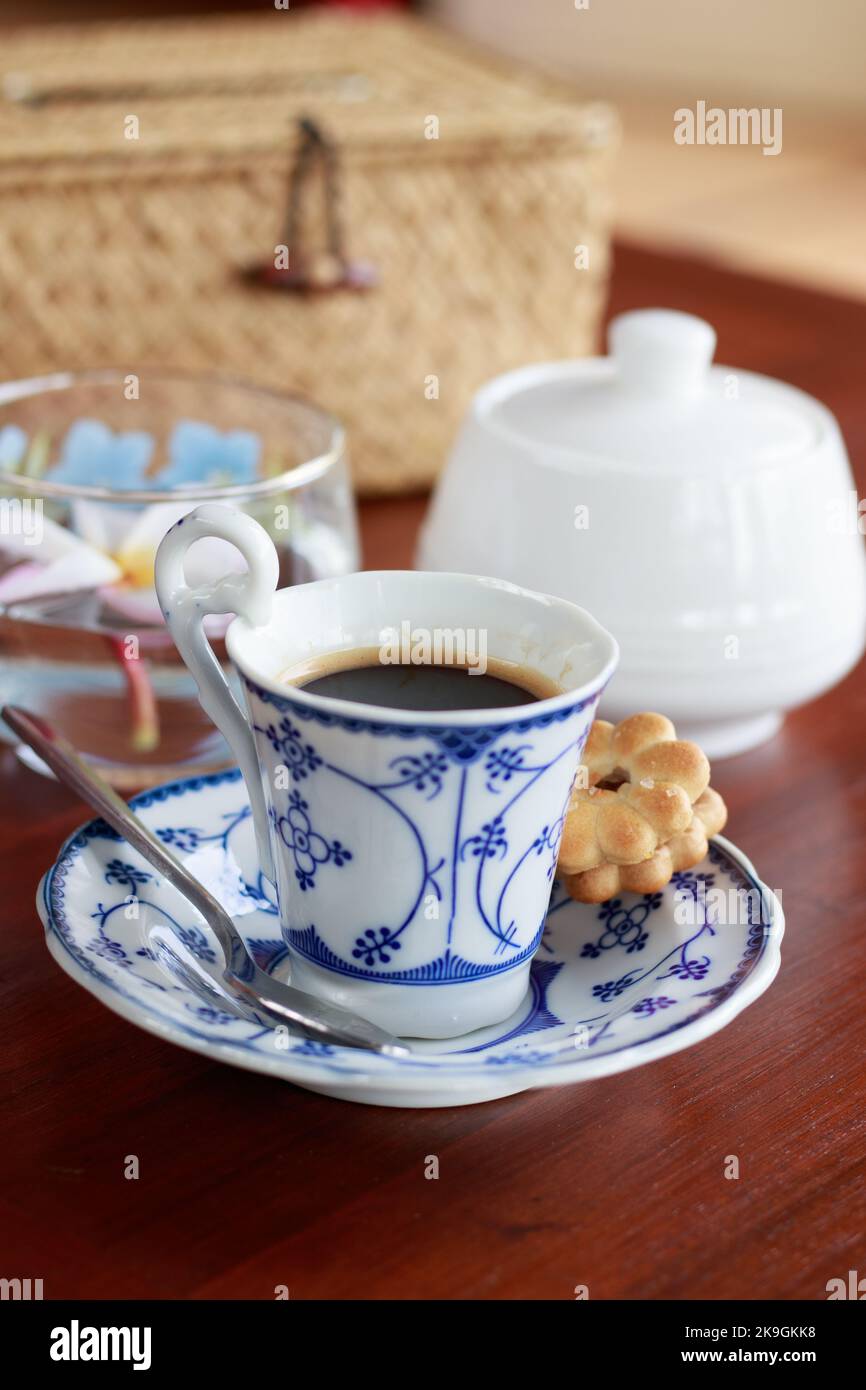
618 1184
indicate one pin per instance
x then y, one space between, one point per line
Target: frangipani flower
59 563
209 559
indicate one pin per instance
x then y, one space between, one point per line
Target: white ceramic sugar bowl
707 516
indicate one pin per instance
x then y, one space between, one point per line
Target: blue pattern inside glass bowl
94 469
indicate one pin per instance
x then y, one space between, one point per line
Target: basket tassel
301 268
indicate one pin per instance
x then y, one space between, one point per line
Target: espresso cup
411 852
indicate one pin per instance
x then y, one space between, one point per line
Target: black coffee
420 687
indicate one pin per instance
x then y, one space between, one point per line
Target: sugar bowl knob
662 350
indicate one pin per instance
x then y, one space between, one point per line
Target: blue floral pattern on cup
450 801
309 848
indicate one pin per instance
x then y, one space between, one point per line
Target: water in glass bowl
88 488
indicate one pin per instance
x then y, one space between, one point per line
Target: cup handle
250 595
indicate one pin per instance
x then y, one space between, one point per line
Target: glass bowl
94 468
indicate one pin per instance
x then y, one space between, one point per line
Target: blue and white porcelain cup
411 852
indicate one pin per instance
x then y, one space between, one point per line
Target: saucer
612 986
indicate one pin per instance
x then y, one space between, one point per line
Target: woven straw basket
466 188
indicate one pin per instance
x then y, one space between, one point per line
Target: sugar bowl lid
656 401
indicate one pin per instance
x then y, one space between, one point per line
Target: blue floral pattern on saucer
708 946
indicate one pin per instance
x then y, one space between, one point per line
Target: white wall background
762 52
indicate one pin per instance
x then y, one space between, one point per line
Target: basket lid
223 87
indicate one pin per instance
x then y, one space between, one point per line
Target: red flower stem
143 712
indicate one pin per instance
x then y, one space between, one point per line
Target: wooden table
618 1184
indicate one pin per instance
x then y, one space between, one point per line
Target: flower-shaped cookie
647 813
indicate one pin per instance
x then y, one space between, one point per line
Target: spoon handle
70 767
323 1020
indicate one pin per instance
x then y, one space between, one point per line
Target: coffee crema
361 676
